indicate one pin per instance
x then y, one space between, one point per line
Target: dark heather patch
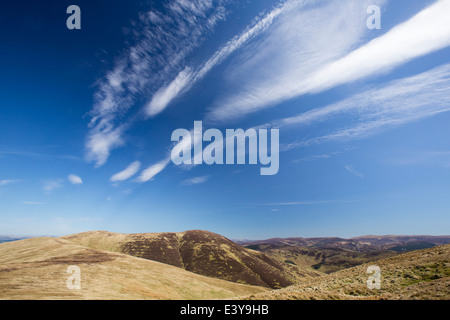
90 257
163 248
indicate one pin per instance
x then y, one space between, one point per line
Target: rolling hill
37 269
332 254
421 274
124 266
201 252
362 244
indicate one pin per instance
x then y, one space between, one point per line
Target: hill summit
202 252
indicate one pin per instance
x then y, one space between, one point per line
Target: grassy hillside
202 252
37 269
422 274
332 254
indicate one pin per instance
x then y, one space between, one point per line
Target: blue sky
86 116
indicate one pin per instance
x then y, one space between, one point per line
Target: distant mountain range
363 243
11 238
333 254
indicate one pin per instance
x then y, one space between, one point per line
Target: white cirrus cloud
396 103
164 39
353 171
299 43
74 179
195 180
165 95
102 138
308 203
149 173
318 69
127 173
303 50
50 185
188 77
8 181
177 147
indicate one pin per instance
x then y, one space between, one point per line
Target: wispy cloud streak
127 173
308 203
196 180
396 103
164 39
8 181
426 32
51 185
149 173
353 171
188 77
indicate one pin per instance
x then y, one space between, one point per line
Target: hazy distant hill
202 252
333 254
364 243
422 274
37 269
10 238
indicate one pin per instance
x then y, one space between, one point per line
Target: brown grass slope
37 269
421 274
201 252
